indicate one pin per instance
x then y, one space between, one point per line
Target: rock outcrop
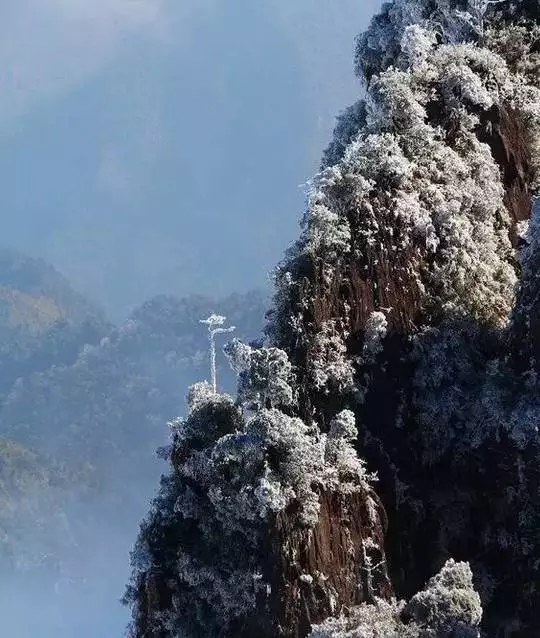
406 320
317 573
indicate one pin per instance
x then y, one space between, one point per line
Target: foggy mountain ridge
84 408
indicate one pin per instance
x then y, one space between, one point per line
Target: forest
84 408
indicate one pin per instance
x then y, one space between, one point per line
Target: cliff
409 308
448 405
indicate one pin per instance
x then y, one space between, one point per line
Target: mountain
43 296
85 407
32 489
403 340
43 321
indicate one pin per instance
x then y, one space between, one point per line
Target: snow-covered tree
331 370
215 327
448 607
265 375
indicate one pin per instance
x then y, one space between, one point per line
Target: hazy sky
152 146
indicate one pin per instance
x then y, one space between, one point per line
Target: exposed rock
411 301
317 573
504 130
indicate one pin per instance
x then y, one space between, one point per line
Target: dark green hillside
43 321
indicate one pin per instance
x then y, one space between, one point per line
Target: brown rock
319 572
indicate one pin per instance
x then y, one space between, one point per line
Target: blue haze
174 162
160 146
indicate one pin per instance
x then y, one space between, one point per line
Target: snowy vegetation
447 608
408 172
392 333
443 189
235 466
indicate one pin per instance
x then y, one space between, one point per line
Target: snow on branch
215 326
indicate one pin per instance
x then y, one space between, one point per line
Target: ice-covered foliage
414 182
331 370
186 547
344 467
451 195
343 426
381 620
265 375
463 396
518 45
327 233
464 386
348 125
274 460
450 21
448 607
232 472
515 38
253 466
376 329
530 258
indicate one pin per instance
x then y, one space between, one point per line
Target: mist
155 154
141 145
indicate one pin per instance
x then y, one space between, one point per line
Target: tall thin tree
214 323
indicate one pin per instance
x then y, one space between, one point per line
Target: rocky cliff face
411 305
447 400
315 573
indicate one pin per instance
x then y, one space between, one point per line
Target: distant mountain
84 405
36 281
34 497
114 400
43 321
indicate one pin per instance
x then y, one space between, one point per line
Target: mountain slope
43 321
409 263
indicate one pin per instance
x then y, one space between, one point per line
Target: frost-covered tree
200 563
215 327
448 607
265 375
